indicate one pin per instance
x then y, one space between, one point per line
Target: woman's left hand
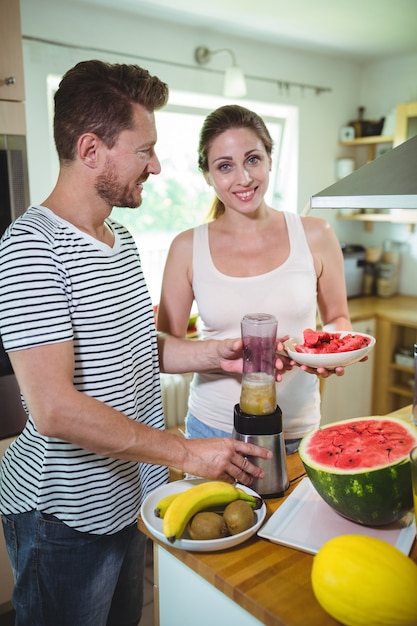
322 372
283 363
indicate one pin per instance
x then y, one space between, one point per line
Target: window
179 198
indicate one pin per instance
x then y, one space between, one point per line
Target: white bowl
154 524
329 360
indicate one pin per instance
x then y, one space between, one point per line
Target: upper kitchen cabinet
11 54
406 122
12 90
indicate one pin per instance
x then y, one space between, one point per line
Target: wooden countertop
398 309
270 581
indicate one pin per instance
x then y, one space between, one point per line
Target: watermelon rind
372 497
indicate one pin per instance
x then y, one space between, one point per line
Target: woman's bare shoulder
317 227
184 239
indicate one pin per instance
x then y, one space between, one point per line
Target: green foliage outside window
178 198
169 205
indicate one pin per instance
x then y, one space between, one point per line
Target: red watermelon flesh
361 444
322 342
361 467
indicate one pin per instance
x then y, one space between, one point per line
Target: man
77 321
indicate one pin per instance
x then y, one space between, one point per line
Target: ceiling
362 30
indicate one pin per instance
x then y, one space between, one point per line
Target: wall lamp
234 85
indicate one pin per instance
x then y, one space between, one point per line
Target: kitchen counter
397 309
270 582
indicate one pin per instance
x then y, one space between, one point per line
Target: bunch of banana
177 509
163 504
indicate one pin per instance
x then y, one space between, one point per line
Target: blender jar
258 391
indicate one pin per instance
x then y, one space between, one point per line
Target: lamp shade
234 85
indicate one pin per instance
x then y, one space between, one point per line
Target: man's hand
230 353
224 459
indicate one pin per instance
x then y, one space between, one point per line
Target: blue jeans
196 429
68 578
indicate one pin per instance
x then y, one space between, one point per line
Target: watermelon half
361 467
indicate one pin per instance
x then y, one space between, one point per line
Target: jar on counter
387 280
391 251
368 283
373 255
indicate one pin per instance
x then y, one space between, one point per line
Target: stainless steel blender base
275 482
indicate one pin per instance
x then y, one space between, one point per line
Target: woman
251 258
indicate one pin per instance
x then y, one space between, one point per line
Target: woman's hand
283 363
322 372
325 373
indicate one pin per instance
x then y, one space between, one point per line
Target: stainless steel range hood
389 182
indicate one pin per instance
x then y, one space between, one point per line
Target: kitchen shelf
393 383
400 388
368 219
402 368
370 143
364 141
401 391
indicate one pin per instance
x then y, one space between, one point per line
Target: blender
257 417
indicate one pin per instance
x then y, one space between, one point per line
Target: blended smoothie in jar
258 394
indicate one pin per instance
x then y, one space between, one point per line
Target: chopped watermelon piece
322 342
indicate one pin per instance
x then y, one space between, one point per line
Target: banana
163 504
199 497
189 502
254 501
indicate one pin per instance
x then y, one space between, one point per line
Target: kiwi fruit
207 525
239 516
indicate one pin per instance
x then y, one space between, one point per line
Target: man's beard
110 190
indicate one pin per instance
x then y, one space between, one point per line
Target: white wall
142 38
378 86
386 83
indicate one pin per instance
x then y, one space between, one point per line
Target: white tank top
290 293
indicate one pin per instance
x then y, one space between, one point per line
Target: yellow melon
364 581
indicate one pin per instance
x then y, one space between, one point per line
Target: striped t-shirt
59 284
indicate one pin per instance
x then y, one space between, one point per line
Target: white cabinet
184 598
350 395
